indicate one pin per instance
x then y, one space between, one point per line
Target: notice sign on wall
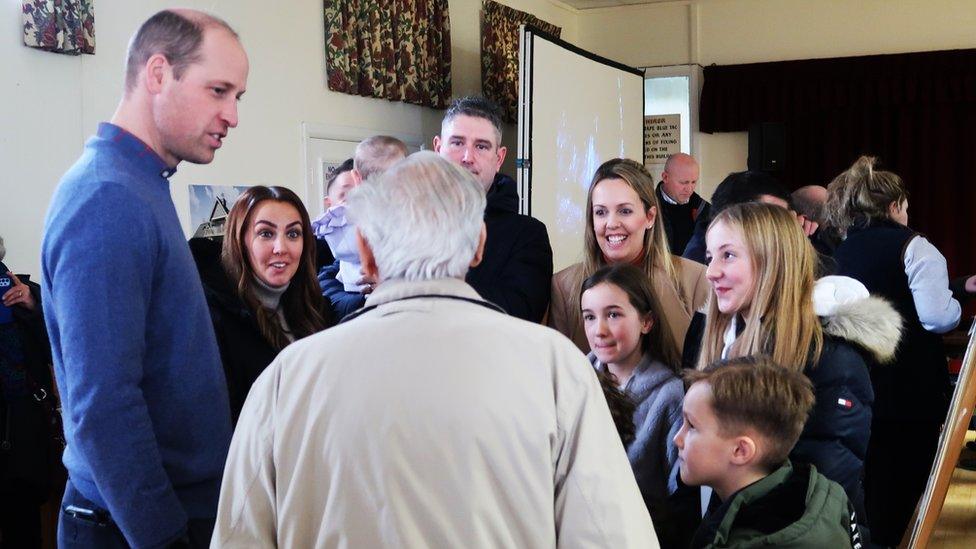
662 138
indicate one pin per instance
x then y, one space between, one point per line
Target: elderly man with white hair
430 418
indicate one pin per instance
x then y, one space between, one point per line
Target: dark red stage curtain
915 111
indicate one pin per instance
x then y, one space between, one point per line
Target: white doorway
327 146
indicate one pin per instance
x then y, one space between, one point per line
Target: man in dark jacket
680 205
516 269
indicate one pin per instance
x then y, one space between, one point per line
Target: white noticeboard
662 138
576 111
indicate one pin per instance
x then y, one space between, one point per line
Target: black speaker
767 146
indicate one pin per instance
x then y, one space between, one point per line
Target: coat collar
393 290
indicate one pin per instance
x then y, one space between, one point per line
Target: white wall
49 104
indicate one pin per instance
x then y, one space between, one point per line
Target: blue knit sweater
145 404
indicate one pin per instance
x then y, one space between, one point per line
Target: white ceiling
592 4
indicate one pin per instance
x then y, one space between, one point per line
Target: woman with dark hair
263 292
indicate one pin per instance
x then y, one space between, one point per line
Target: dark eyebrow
293 223
265 222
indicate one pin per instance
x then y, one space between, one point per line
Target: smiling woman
261 288
623 227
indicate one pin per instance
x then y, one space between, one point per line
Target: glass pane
670 95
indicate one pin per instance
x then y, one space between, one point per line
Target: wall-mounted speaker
767 146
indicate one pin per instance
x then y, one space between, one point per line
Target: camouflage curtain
61 26
395 49
500 53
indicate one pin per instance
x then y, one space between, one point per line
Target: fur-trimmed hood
849 312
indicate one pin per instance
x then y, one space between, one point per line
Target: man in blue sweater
145 404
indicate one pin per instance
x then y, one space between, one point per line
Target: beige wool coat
677 308
429 422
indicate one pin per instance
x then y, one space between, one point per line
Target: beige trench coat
430 422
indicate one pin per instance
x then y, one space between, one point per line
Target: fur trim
871 323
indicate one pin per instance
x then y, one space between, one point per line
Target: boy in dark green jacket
741 419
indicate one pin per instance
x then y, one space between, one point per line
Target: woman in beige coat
622 227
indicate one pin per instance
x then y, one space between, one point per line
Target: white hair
422 218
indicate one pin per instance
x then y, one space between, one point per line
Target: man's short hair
176 36
754 393
478 107
346 166
742 187
377 153
422 218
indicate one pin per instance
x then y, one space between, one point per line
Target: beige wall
639 35
49 104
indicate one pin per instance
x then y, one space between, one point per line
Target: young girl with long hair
869 208
623 324
262 292
622 228
761 268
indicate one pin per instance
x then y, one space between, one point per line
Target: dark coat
29 427
835 438
915 386
516 271
334 291
244 351
680 219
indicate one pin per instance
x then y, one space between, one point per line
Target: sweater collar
145 157
269 296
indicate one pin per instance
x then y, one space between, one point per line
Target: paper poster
662 138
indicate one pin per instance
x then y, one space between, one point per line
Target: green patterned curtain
500 53
395 49
61 26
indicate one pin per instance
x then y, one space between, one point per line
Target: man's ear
366 257
357 176
437 144
157 70
501 155
327 202
479 254
744 451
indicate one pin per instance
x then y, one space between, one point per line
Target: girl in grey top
620 317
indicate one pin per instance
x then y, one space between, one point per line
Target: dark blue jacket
858 337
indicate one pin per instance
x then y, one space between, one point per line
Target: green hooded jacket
793 507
